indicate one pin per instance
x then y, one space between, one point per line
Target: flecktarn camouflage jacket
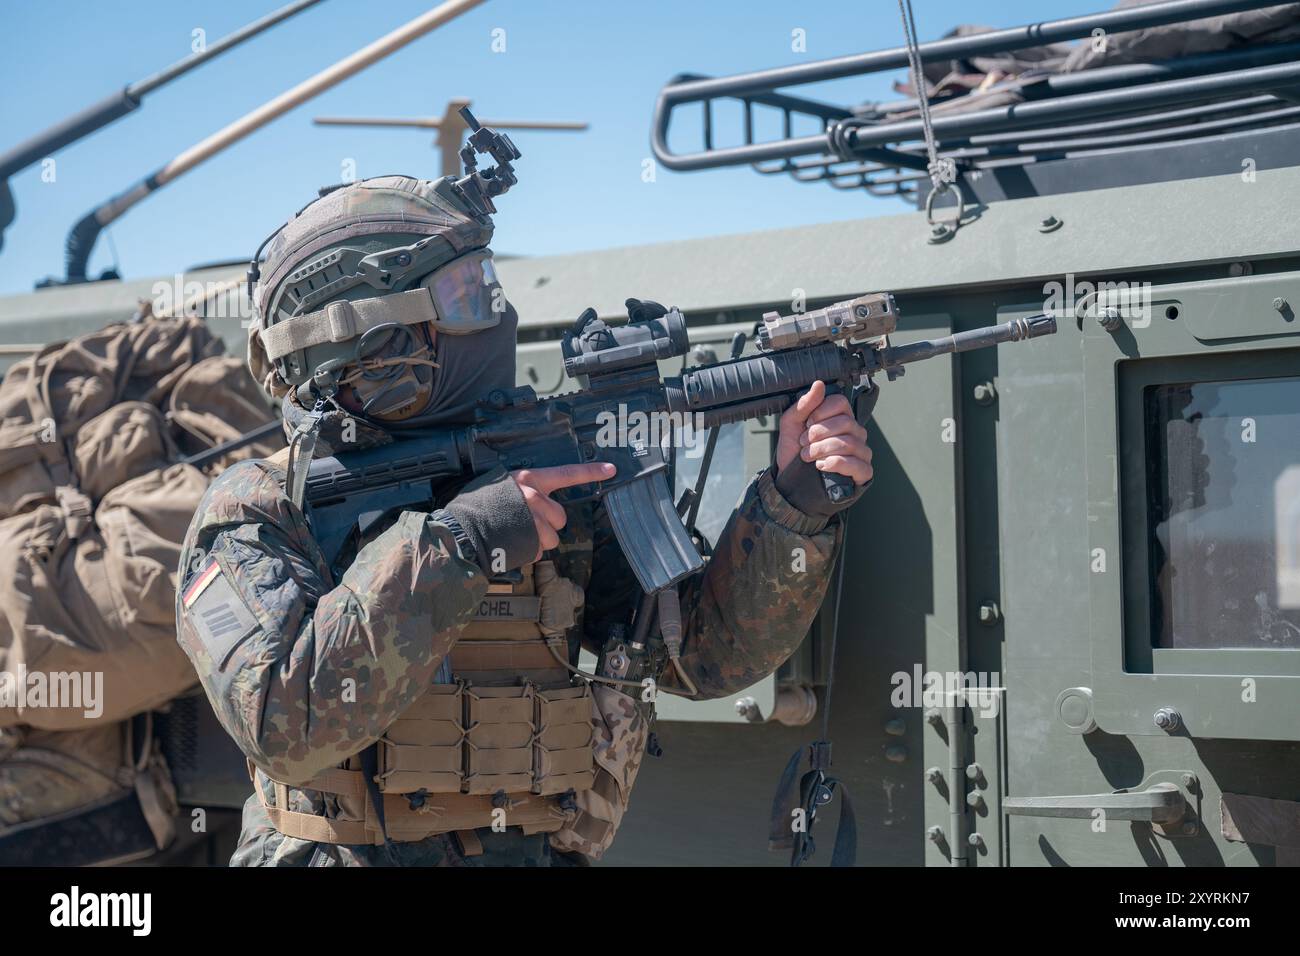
306 670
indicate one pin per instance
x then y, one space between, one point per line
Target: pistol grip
841 487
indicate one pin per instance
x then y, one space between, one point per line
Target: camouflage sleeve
301 671
750 608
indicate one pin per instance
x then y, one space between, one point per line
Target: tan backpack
94 502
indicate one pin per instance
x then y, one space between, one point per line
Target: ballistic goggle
459 298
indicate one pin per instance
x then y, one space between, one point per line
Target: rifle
208 455
843 345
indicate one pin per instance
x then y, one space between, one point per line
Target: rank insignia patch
217 613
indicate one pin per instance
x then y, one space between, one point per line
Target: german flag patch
201 581
216 612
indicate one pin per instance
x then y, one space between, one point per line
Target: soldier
390 711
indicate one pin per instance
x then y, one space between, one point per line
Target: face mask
412 375
470 367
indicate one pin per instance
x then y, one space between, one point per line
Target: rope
941 170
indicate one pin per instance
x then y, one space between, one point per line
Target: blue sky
600 62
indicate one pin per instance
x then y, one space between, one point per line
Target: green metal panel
1212 702
1060 408
1043 591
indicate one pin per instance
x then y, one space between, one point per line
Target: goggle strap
344 321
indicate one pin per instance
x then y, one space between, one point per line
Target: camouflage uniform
281 688
381 295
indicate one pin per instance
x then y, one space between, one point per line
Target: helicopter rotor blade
450 126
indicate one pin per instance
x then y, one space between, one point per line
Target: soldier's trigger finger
556 477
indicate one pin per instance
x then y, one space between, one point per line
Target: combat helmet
357 289
373 269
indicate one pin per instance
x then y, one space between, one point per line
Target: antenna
81 239
80 125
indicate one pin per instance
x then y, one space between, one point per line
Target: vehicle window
727 477
1223 507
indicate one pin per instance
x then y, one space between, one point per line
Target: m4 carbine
843 345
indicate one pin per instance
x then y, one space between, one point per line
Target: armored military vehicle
1095 536
1068 626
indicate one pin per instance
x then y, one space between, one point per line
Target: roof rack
1099 127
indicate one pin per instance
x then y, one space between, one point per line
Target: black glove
800 483
489 514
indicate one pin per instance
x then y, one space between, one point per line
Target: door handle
1162 803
